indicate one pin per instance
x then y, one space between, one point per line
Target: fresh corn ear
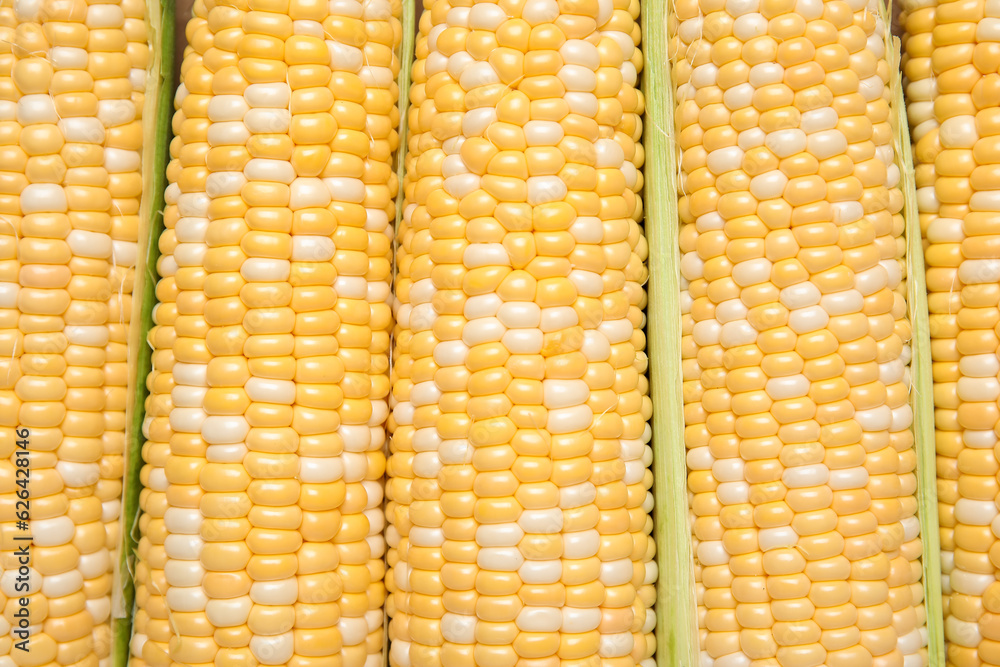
950 66
518 482
72 93
262 508
795 343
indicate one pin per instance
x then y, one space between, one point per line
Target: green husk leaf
922 389
676 607
157 114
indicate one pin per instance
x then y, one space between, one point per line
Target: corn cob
795 336
518 479
68 71
951 83
262 521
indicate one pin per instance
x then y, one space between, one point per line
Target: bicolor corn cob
519 528
72 76
262 520
953 98
795 336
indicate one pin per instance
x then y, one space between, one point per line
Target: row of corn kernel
519 527
952 50
795 331
262 524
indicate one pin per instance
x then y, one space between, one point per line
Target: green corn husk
922 379
157 113
676 608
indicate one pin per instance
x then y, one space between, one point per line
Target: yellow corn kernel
262 509
795 336
518 477
953 115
